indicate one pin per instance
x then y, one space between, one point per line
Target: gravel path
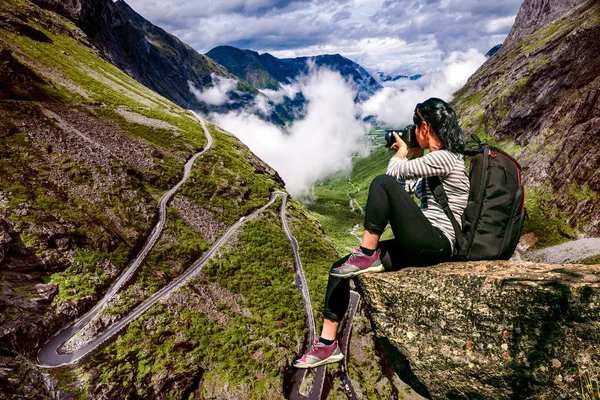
570 252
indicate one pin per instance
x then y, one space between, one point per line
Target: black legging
416 243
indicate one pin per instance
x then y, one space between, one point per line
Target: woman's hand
400 146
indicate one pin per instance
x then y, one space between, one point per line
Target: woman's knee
383 180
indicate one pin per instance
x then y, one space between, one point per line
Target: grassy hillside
340 200
86 154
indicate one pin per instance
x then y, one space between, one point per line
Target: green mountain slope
87 152
340 200
246 64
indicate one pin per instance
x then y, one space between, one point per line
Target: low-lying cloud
218 94
395 104
320 144
333 129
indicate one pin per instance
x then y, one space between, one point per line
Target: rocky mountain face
490 330
535 15
539 97
155 58
145 52
87 152
267 72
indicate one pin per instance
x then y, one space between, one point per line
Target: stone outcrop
490 329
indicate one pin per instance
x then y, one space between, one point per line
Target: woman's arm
436 163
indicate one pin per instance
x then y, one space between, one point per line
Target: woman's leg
388 201
416 242
337 297
329 330
386 198
370 240
415 236
326 349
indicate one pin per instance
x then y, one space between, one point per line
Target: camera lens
408 134
389 138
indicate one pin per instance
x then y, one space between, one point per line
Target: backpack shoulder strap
473 146
440 195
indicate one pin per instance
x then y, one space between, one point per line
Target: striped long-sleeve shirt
450 167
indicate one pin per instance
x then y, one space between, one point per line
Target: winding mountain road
49 355
345 345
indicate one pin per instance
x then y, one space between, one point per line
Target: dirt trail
570 252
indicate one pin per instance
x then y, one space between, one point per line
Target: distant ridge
388 78
493 50
267 72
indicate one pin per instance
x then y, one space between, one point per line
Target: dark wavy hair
443 121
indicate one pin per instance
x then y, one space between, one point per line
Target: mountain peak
535 14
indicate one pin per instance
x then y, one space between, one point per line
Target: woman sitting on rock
423 235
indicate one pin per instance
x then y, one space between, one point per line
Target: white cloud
500 24
277 96
218 94
412 36
261 104
332 131
458 67
320 144
395 104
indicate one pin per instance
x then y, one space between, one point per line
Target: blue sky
393 36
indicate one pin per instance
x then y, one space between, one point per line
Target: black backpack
493 219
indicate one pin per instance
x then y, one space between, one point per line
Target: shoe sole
329 360
352 274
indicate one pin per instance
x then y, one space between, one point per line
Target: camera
407 134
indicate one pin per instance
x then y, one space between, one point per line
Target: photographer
423 235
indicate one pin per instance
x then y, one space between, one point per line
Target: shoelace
314 348
352 256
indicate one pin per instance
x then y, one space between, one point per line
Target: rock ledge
491 329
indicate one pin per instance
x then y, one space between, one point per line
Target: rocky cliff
490 330
536 14
539 98
155 58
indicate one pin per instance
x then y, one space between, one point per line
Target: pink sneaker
357 264
320 354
